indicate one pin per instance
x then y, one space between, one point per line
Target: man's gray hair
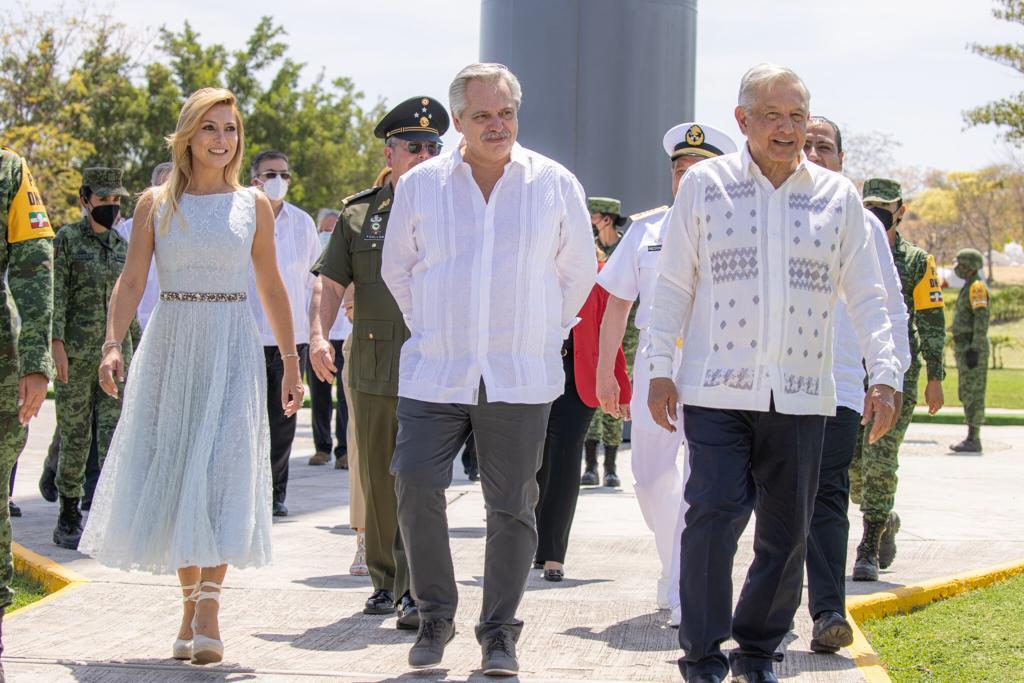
158 170
484 72
323 213
764 75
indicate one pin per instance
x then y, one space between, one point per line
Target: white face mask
325 237
275 188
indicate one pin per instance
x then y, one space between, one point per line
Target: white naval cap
696 139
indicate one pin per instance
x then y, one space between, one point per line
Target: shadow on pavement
658 635
355 632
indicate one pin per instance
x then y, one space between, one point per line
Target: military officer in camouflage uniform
412 133
873 470
88 258
607 219
26 258
970 346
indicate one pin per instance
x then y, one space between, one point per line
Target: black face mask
883 215
105 214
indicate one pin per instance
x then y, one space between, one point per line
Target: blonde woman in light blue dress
186 484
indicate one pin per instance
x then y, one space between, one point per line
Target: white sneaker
663 589
676 617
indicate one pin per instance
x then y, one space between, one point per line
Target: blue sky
900 67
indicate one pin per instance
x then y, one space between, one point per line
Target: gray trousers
510 445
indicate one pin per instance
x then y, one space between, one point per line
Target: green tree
78 88
1008 112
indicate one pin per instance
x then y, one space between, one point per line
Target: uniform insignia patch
358 195
648 213
979 295
695 135
927 292
26 218
653 247
385 204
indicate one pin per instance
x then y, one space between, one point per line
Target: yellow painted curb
907 598
44 571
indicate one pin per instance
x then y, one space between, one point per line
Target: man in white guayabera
759 246
489 255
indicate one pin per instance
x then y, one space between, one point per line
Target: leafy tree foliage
80 89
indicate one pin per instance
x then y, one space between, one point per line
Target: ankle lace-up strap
191 587
199 594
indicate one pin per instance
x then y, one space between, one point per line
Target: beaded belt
217 297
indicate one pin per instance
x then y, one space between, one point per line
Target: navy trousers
830 526
744 461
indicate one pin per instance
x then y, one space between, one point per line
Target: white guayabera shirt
298 247
847 363
488 289
749 276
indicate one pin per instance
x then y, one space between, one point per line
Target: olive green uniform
86 267
26 257
873 470
970 346
353 255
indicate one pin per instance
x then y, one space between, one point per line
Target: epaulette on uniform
359 195
647 214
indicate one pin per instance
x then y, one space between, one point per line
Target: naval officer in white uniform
628 274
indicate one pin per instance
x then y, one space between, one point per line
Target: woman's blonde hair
169 194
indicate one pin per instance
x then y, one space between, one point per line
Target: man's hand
879 407
663 402
60 360
933 396
31 394
321 357
608 393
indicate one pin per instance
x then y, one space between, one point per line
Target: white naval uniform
658 481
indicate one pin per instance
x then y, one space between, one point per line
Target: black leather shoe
280 510
831 632
499 654
381 602
758 676
13 510
408 614
554 574
704 678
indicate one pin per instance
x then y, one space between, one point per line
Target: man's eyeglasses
416 146
270 175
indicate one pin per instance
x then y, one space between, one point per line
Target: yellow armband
978 295
927 292
27 219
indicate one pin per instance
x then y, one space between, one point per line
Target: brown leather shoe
320 458
341 462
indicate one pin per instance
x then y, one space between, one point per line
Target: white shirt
847 365
750 275
488 289
630 270
342 326
151 294
297 247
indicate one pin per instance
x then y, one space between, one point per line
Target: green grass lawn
26 591
977 637
1004 388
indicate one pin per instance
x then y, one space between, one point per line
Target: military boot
972 444
887 544
69 524
611 479
589 477
866 566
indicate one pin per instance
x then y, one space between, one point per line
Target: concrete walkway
301 620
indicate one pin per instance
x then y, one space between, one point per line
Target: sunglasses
415 146
270 175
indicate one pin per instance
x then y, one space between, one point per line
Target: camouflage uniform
873 470
86 267
26 257
605 429
970 346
